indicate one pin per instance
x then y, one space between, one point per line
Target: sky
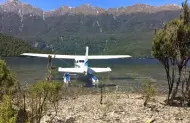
53 4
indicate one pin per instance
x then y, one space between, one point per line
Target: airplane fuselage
83 65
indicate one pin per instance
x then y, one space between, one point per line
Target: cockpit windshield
81 61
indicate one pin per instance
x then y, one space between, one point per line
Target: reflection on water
125 72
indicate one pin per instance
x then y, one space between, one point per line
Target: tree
7 84
7 79
171 47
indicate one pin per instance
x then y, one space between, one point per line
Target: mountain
68 29
11 46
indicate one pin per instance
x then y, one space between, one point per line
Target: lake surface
125 72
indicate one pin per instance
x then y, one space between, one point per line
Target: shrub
7 113
40 94
7 79
148 90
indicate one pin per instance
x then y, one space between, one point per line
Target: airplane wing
71 70
108 56
52 55
99 70
76 56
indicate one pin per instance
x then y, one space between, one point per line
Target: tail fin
86 56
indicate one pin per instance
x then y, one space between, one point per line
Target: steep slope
69 29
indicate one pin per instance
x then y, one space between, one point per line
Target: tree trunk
177 85
169 79
101 94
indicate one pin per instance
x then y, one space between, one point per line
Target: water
125 72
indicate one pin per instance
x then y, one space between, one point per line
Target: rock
70 120
49 114
150 120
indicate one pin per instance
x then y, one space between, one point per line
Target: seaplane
80 64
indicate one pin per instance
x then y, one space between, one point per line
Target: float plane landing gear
66 78
94 79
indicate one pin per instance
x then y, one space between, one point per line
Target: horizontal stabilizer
99 70
71 70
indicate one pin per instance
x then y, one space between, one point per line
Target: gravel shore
117 108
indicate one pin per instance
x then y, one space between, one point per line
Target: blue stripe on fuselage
92 76
86 63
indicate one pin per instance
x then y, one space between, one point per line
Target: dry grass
117 108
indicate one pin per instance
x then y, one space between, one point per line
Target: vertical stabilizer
86 60
86 55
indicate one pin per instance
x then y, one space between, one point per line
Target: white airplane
81 64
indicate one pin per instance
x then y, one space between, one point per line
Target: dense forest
11 46
105 44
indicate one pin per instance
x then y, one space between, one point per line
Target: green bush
41 95
7 79
148 90
7 84
7 113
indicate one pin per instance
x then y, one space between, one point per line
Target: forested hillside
11 46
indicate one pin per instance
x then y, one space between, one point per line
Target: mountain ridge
25 8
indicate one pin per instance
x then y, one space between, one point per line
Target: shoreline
117 107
